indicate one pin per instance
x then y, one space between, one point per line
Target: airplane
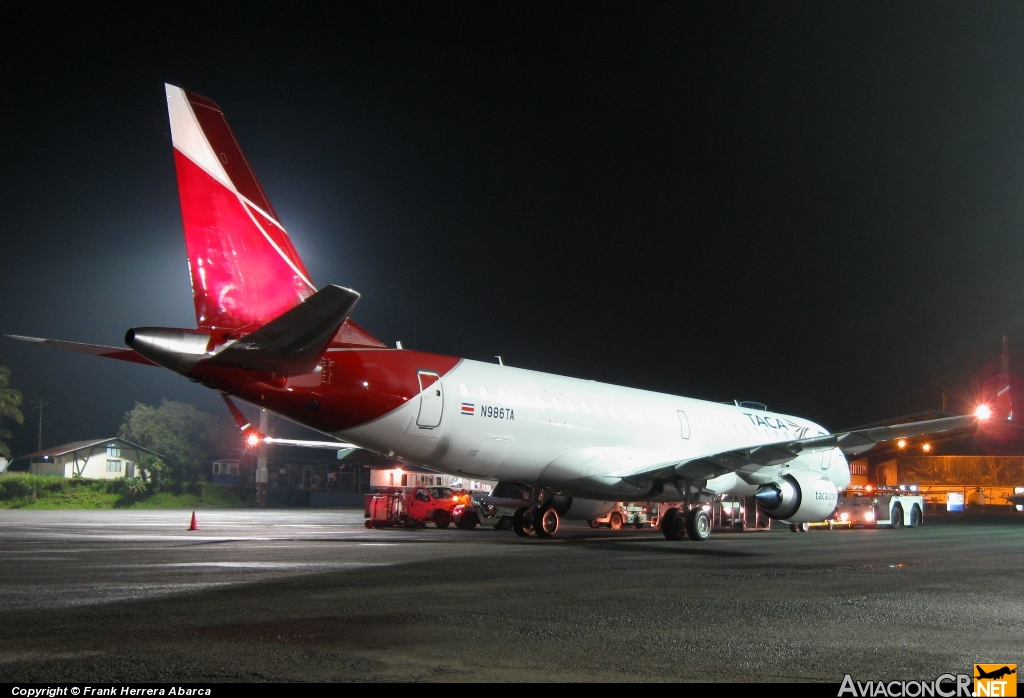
267 336
996 673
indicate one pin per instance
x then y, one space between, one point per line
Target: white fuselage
575 437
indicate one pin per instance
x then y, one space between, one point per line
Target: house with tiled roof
96 459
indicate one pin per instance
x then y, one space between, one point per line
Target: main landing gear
522 522
694 523
542 521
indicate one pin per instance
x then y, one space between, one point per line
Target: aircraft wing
331 445
246 426
747 462
95 349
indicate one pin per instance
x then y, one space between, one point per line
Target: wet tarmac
119 596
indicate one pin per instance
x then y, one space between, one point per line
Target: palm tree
10 399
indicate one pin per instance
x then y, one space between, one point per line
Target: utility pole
39 404
261 462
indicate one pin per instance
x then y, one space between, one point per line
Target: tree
10 400
185 438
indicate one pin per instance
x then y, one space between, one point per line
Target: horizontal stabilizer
94 349
292 343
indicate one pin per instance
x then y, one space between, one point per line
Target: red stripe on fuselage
364 385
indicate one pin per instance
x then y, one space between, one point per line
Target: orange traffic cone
192 526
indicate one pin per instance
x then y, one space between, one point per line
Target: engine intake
799 496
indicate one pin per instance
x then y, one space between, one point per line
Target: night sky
819 206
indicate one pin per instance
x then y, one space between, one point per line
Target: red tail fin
245 271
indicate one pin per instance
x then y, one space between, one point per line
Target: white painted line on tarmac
264 565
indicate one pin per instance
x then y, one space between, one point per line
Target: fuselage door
684 424
431 400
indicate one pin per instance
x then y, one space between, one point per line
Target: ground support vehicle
477 513
413 508
634 514
726 513
898 508
891 508
734 513
498 508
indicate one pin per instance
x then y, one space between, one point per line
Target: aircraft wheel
522 522
615 521
673 525
698 524
916 517
546 523
897 517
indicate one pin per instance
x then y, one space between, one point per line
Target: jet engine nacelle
799 496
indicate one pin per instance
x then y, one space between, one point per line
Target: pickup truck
415 507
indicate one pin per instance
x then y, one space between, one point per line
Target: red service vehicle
412 508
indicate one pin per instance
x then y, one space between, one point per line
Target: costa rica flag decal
468 408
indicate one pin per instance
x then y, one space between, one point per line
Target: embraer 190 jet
265 335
